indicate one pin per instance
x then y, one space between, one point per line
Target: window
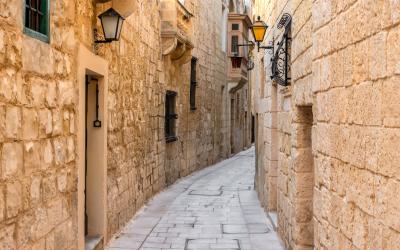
193 83
234 43
170 116
235 26
36 19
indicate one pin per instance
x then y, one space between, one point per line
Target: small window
170 116
193 83
235 26
234 43
36 19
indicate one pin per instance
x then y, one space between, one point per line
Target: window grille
36 19
193 83
170 116
234 43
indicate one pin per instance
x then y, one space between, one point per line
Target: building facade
90 131
238 91
327 164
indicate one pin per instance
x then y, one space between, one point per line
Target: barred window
36 19
235 26
170 116
193 83
234 44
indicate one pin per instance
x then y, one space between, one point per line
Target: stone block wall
239 120
39 117
337 126
37 132
140 162
201 132
357 126
273 105
135 104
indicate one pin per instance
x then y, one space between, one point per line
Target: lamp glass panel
259 33
121 21
110 26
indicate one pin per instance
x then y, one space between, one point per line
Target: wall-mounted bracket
281 60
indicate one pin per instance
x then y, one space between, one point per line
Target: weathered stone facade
327 159
41 139
37 131
237 91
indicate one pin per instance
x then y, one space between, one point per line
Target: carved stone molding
235 86
123 7
176 31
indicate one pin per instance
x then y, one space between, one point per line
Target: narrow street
215 208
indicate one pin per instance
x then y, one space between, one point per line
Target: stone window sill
172 138
37 35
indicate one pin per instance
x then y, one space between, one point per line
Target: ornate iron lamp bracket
281 59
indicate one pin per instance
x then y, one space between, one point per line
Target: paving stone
234 229
206 192
258 228
215 208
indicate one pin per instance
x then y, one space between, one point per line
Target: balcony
237 68
176 31
238 30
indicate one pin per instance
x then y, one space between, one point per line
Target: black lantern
111 21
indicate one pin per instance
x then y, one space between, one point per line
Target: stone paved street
215 208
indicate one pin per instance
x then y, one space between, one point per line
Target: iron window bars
170 116
193 83
281 60
234 43
36 19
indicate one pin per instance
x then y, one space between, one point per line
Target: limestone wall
357 129
37 131
201 131
337 127
136 144
273 105
39 117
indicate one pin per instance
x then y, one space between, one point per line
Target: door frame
90 64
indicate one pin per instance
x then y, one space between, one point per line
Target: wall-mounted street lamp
259 29
111 22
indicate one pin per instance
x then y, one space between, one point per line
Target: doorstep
273 217
94 242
